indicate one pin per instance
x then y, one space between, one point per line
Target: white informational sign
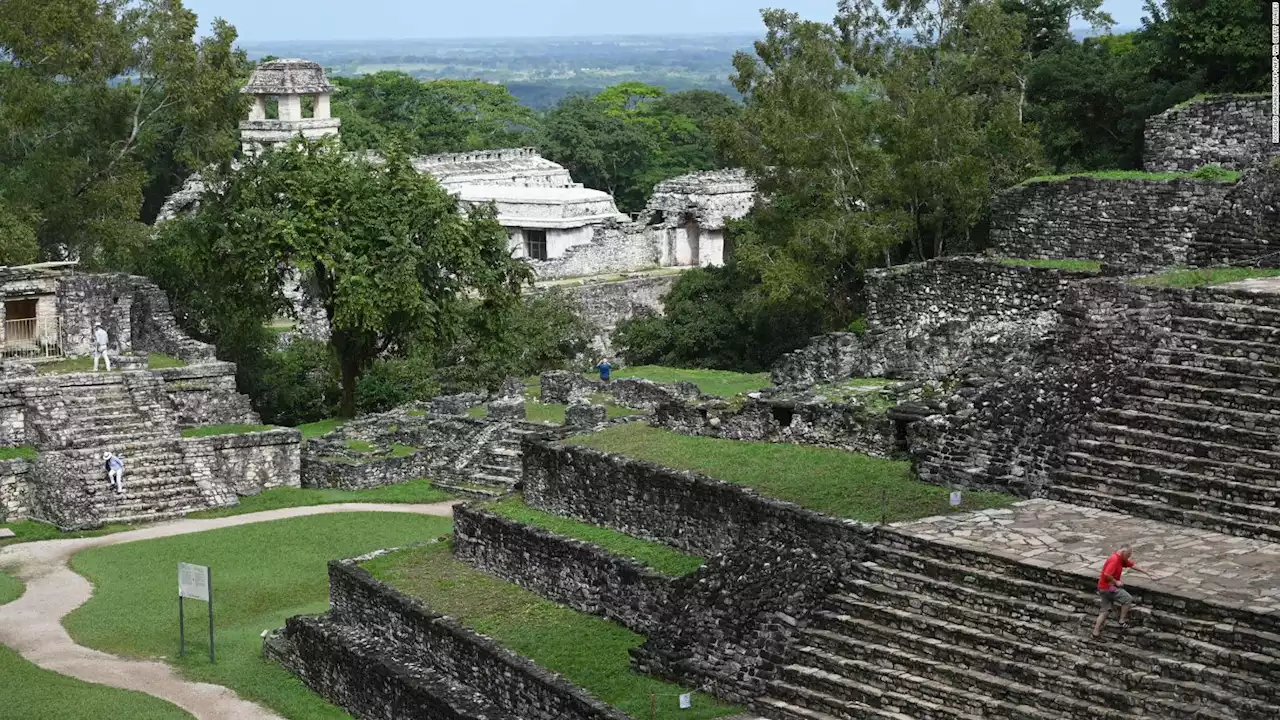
955 498
193 582
686 701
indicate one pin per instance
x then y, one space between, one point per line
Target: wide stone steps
1191 429
1222 329
1203 412
848 690
795 702
1261 316
1168 690
1249 349
1238 366
1206 378
1248 513
1157 510
1006 683
1151 457
957 569
1229 398
1124 435
1175 480
1071 639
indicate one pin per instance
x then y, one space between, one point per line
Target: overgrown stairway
928 631
1196 439
495 470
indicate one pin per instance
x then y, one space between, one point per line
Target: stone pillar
290 107
259 109
322 107
582 414
507 409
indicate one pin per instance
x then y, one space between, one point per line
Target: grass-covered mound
1203 277
722 383
662 558
155 361
1072 264
262 574
589 651
835 482
216 430
1211 173
10 588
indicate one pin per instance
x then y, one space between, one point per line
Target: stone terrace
1190 562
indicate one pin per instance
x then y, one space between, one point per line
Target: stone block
507 409
585 415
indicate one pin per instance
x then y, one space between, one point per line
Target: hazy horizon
333 21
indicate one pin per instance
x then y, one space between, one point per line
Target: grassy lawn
10 588
712 382
35 694
212 430
553 413
413 493
1200 277
1089 266
664 559
23 452
590 652
262 574
1205 173
155 361
835 482
30 531
320 427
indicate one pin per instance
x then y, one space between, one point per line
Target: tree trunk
350 368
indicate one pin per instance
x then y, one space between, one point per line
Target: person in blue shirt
605 368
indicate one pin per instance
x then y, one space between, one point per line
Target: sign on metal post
194 582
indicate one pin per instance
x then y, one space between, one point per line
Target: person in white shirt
115 470
100 347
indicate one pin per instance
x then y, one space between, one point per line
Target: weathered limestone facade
688 214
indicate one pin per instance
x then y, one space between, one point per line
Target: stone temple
565 231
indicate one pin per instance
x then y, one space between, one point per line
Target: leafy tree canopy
382 248
106 106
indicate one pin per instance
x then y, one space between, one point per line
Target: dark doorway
535 244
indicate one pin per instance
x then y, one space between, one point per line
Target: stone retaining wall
14 502
1144 224
232 466
1246 228
1233 131
438 646
605 304
336 473
690 511
852 425
580 575
206 394
615 247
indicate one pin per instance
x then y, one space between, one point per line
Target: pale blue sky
415 19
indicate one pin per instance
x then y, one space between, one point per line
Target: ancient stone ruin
1123 412
69 419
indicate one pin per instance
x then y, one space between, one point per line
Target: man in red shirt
1111 590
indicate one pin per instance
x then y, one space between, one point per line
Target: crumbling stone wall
230 466
606 304
436 645
134 312
1006 430
615 248
936 318
206 394
1144 224
585 577
14 502
850 425
1246 228
1233 131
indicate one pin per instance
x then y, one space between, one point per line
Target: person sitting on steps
100 347
1111 589
115 471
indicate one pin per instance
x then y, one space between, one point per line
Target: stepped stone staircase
930 631
494 470
1196 439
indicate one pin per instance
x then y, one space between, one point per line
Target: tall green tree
1225 45
104 103
384 250
631 136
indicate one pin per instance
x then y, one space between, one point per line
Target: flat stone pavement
1262 286
1193 563
32 624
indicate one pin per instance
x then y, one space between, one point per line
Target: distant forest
538 71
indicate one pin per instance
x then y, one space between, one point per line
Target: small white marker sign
193 582
955 498
686 701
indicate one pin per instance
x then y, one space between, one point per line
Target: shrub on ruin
293 386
